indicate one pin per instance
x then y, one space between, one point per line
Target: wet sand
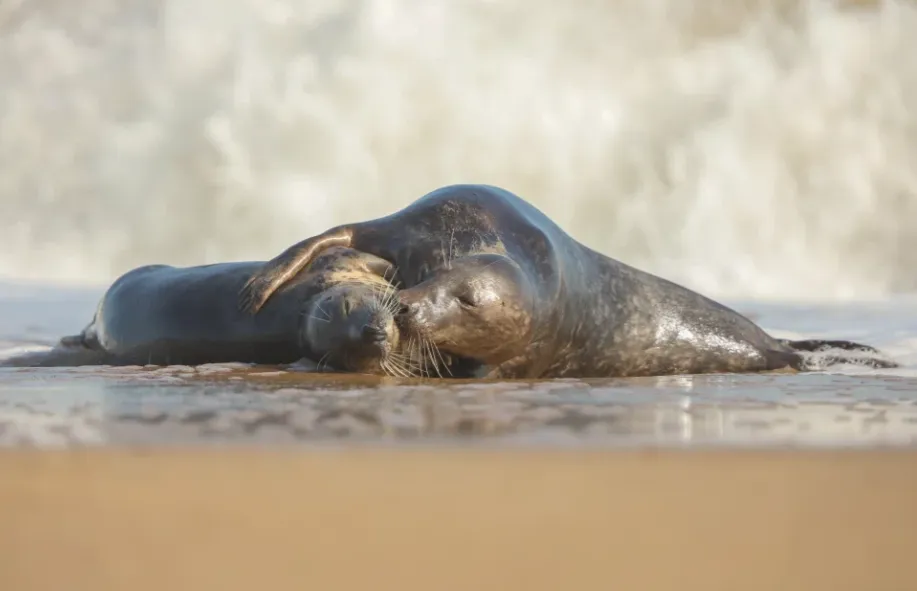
240 406
234 478
458 519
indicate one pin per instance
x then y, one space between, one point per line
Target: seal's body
335 314
488 277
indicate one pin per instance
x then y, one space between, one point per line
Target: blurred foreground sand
454 519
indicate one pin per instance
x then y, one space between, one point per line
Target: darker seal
489 278
339 314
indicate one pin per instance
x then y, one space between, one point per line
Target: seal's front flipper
279 270
75 340
88 339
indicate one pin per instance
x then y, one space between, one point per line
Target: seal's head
351 327
480 308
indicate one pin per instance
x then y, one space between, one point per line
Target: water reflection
233 404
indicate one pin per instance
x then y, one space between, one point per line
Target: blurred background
745 149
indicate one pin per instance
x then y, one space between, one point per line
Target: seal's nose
373 334
407 308
410 312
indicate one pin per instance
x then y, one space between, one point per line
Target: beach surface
241 404
458 519
761 153
231 476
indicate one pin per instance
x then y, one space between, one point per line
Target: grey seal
489 280
339 314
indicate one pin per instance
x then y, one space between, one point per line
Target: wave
753 149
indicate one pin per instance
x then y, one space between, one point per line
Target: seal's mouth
376 348
407 325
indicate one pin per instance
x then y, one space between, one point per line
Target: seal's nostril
373 334
403 310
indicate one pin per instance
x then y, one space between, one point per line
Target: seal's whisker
389 289
386 297
397 371
375 302
402 369
408 353
451 242
404 362
389 307
318 306
393 306
314 317
439 360
410 370
394 271
391 300
434 355
422 357
318 365
442 253
398 355
389 368
422 353
381 288
417 356
431 354
428 357
442 359
394 355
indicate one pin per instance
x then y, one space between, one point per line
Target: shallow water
223 405
235 403
742 149
761 150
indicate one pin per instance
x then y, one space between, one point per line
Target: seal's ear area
279 270
72 341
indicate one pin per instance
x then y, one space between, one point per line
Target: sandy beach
760 153
527 520
231 477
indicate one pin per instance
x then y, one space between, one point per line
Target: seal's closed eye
466 298
545 305
477 309
351 327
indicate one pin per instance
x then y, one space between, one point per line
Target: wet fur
591 316
164 315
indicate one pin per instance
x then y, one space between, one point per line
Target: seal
487 277
340 314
